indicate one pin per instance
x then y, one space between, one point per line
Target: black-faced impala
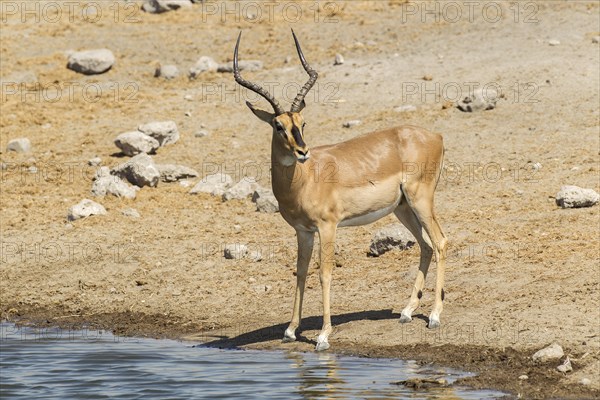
394 170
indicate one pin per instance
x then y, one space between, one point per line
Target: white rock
339 59
552 352
393 236
94 162
204 64
20 145
565 366
167 72
235 251
136 142
596 39
106 183
139 170
130 212
245 65
241 190
91 62
553 42
480 100
585 381
265 200
20 77
405 108
172 172
84 209
255 256
201 133
576 197
215 184
523 377
161 6
165 132
350 124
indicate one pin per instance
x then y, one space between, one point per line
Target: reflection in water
328 376
53 364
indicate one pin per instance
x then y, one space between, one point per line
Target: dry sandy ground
522 273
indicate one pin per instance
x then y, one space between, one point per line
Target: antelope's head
288 127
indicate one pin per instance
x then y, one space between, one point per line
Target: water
59 364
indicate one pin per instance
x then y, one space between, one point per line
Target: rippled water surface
61 364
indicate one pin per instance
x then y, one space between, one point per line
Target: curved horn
252 86
311 81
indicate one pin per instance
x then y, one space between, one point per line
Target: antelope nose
302 153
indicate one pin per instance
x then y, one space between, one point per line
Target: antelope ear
261 114
302 105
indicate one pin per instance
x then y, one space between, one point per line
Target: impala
394 170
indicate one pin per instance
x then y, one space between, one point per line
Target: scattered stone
552 352
172 172
262 288
237 228
84 209
215 184
585 381
255 256
427 78
265 200
241 190
536 166
480 100
576 197
139 170
165 132
94 162
393 236
130 212
33 169
565 366
251 280
405 108
351 123
106 183
523 377
91 62
287 60
20 77
245 65
188 114
422 383
167 72
188 97
235 251
553 42
339 59
185 183
161 6
136 142
596 39
204 64
20 145
201 133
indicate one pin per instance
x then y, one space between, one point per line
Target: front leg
305 249
327 252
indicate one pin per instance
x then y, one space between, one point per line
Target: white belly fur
369 217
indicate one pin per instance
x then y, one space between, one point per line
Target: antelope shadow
275 332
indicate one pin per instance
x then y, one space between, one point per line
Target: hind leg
420 200
408 219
